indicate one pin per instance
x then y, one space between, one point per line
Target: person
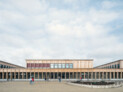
45 78
81 78
59 79
30 80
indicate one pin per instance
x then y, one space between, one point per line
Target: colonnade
63 75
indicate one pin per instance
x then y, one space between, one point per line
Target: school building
67 69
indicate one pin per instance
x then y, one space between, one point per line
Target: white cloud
34 29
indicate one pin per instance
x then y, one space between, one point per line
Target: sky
61 29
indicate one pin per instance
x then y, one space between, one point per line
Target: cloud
39 29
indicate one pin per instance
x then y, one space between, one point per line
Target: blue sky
61 29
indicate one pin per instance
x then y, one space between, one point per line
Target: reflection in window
63 65
71 65
51 65
59 65
56 65
67 65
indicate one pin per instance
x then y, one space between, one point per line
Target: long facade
64 68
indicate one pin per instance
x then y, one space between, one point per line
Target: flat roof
59 59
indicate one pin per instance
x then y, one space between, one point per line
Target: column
57 75
110 75
69 75
117 75
2 75
91 75
26 75
61 75
95 75
106 75
80 75
38 75
11 75
53 75
88 76
42 75
34 75
18 75
46 74
84 75
113 75
120 75
102 75
73 75
76 75
22 75
7 75
65 75
99 75
14 75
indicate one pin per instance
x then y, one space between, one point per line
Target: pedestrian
30 80
59 79
45 78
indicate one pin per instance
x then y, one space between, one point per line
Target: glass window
115 66
59 65
71 65
110 66
56 65
63 65
67 65
51 65
1 66
118 65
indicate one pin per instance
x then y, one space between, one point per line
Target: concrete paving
49 87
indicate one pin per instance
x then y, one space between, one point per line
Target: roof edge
60 59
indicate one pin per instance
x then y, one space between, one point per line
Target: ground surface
49 87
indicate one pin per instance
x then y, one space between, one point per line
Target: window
115 66
51 65
56 65
110 66
1 66
71 65
63 65
59 65
118 65
67 65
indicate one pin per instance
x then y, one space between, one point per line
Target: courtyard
49 87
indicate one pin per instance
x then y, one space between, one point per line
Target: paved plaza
49 87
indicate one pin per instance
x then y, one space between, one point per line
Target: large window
51 65
63 65
71 65
56 65
59 65
67 65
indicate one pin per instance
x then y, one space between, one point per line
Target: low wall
97 86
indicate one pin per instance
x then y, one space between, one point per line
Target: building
112 65
67 69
